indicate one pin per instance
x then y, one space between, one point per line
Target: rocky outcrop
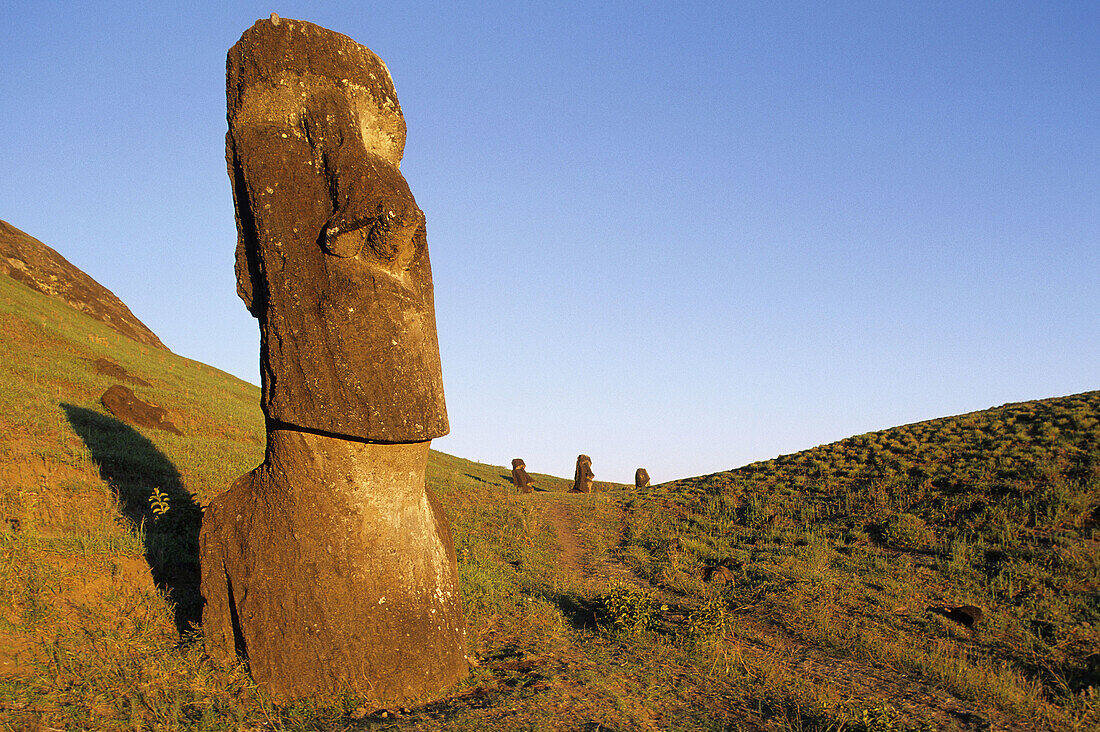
330 567
641 478
29 261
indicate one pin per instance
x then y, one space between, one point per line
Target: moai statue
582 478
520 478
641 478
330 567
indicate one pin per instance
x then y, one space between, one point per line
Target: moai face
582 478
520 478
332 254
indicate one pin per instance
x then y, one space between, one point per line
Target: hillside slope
27 260
876 545
808 593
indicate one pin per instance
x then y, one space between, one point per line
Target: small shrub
712 619
158 502
906 531
630 610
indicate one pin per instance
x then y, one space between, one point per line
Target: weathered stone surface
122 403
641 478
27 260
721 573
332 255
107 367
330 568
582 477
520 478
966 615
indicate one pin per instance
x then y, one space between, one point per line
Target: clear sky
684 236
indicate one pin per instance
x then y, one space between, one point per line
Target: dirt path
571 551
581 554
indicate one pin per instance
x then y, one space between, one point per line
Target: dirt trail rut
579 555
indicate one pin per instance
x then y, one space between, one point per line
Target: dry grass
787 595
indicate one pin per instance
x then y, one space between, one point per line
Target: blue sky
684 236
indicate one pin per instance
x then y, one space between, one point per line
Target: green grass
792 594
847 546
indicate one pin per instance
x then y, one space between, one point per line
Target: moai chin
582 477
330 567
641 478
520 478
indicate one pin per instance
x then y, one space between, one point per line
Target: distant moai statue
641 478
330 567
582 478
520 478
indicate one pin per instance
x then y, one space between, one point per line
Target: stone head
520 478
332 254
582 478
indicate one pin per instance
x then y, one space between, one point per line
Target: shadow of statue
133 467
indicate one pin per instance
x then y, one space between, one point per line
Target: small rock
122 403
718 575
966 615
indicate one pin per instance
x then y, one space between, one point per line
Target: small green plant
906 531
712 619
158 502
883 718
631 610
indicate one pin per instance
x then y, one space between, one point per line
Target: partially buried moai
520 478
330 567
582 477
641 478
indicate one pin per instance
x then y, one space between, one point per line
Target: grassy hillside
860 545
793 594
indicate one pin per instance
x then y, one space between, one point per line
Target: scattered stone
331 567
107 367
582 478
719 576
520 478
720 573
966 615
641 478
122 403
